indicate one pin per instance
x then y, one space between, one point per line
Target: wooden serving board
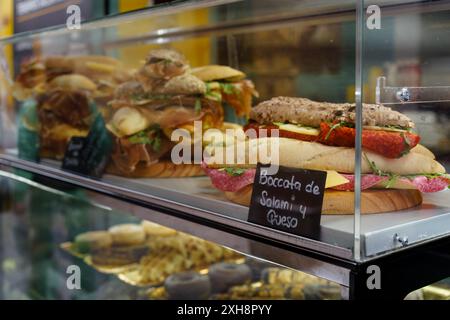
342 202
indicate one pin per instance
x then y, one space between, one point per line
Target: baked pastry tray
130 273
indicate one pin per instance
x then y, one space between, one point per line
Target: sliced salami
422 183
426 185
367 181
226 182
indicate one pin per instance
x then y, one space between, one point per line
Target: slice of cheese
298 129
334 179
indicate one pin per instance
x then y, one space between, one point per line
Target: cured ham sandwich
165 95
321 136
64 89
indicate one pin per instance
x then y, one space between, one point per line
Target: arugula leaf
234 172
156 144
374 167
407 143
334 127
198 106
228 88
390 126
140 138
213 95
391 181
429 175
150 136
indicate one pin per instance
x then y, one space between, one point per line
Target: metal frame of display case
407 268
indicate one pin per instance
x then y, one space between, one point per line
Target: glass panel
406 43
49 251
285 48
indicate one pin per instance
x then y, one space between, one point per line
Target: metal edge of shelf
130 195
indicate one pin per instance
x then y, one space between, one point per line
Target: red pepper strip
389 144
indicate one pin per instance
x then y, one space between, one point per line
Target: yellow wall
6 22
127 5
6 29
196 50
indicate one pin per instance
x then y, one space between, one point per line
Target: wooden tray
342 202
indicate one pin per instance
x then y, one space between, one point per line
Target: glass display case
172 113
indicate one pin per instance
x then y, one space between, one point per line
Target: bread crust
312 113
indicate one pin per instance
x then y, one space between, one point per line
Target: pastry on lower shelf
188 286
262 291
257 266
286 276
178 253
155 230
92 241
225 275
127 234
120 255
330 291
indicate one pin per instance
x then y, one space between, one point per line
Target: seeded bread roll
312 113
183 84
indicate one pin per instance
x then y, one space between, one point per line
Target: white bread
311 155
424 151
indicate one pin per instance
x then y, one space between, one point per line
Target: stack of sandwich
65 89
166 95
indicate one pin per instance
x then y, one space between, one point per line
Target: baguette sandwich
321 136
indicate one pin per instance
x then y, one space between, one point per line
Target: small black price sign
289 200
89 156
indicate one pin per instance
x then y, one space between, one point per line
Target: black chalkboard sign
290 200
89 155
